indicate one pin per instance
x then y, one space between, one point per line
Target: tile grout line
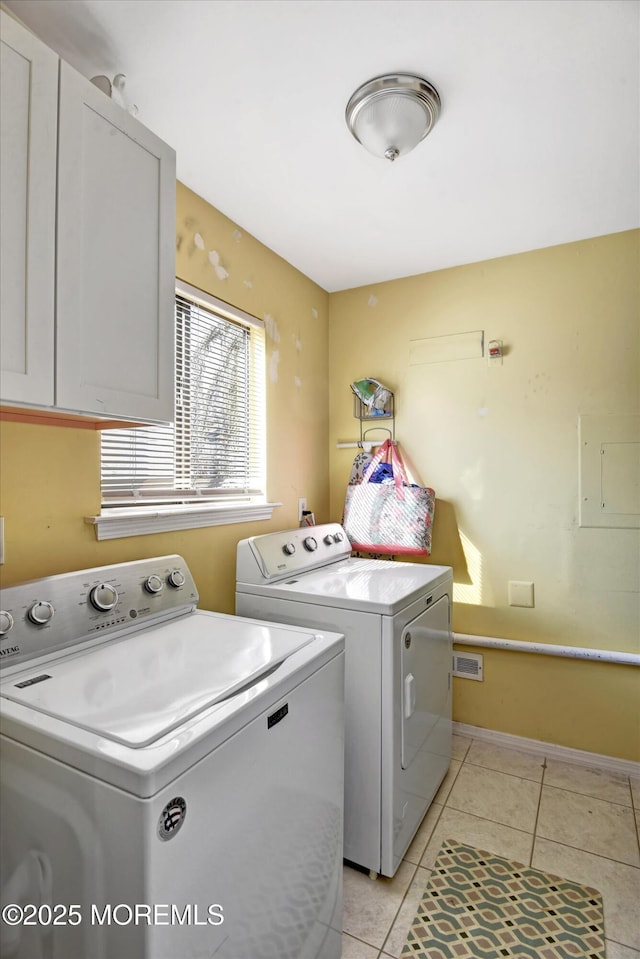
363 941
435 826
397 912
535 824
418 865
566 845
543 764
617 942
504 773
455 778
473 815
587 852
590 852
575 792
535 828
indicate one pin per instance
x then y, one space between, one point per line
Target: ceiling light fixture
390 115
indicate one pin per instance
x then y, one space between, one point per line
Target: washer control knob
176 578
104 597
337 537
310 543
6 622
41 613
153 584
328 539
288 549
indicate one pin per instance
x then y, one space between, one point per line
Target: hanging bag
390 517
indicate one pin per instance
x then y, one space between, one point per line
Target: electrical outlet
302 505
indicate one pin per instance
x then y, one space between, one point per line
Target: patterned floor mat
480 906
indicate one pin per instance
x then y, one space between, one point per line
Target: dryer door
426 687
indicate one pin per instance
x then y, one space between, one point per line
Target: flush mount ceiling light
390 115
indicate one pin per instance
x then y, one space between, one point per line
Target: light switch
520 593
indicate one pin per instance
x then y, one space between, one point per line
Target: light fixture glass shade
390 115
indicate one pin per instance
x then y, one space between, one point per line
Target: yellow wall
500 446
50 477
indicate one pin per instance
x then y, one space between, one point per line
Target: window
214 454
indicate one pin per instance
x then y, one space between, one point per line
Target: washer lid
373 585
137 689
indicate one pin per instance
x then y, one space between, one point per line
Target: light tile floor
574 822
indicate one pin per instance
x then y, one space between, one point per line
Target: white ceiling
537 142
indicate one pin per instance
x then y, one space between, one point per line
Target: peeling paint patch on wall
372 301
271 328
237 235
297 381
191 240
314 313
298 344
214 260
274 359
196 242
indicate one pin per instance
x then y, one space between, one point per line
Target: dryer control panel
268 558
44 615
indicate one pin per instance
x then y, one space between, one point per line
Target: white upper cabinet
28 123
105 346
116 258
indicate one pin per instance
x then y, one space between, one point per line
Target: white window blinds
216 447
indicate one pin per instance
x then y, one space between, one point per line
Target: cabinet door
28 120
116 259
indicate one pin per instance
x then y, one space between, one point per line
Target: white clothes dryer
396 619
171 780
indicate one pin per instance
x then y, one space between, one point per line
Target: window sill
116 523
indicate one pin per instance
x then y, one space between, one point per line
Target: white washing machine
396 619
171 780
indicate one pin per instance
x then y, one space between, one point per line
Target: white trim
579 757
226 309
115 523
547 649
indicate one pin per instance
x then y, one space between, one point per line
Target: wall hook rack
366 414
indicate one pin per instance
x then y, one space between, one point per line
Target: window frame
136 519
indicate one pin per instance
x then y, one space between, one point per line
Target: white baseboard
610 764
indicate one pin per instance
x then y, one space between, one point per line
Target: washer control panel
44 615
262 559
